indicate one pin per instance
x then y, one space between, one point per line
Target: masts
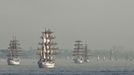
78 49
80 52
47 45
47 50
14 52
86 53
14 49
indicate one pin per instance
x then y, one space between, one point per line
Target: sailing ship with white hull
14 52
47 51
80 53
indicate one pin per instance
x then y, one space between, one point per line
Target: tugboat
14 52
47 50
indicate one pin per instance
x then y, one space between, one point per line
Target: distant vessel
86 59
14 52
47 51
80 53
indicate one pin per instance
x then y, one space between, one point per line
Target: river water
67 67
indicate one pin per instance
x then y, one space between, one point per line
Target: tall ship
14 50
47 50
80 53
86 55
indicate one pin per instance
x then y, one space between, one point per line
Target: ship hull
87 60
45 64
13 62
79 61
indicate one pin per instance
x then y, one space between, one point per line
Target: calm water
67 67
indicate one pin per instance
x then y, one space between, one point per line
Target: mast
47 46
14 49
78 48
86 53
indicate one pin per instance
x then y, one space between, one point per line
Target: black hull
40 65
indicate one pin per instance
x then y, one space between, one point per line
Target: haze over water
102 24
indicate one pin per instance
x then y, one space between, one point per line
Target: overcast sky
99 23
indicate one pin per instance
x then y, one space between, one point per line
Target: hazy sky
99 23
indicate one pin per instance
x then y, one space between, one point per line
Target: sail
14 48
47 50
80 52
78 48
